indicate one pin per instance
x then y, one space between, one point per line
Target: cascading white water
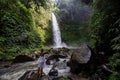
56 32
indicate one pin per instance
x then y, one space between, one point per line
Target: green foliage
104 24
75 34
38 3
115 65
114 61
41 19
116 40
105 27
115 76
18 29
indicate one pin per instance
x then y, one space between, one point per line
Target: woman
41 62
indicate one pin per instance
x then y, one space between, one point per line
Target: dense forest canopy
105 25
105 28
24 25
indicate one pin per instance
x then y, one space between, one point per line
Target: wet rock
25 76
82 54
57 78
22 58
6 66
1 60
81 59
32 75
55 58
63 51
61 64
53 72
76 77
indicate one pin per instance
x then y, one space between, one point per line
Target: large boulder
81 59
22 58
82 54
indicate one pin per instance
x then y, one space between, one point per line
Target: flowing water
56 33
17 70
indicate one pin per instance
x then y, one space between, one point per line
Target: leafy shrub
18 30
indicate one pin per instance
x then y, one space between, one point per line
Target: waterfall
56 33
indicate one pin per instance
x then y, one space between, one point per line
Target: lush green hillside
105 27
22 26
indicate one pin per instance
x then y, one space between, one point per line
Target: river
15 71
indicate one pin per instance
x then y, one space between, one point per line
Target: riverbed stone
22 58
32 75
81 55
77 77
81 59
55 58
